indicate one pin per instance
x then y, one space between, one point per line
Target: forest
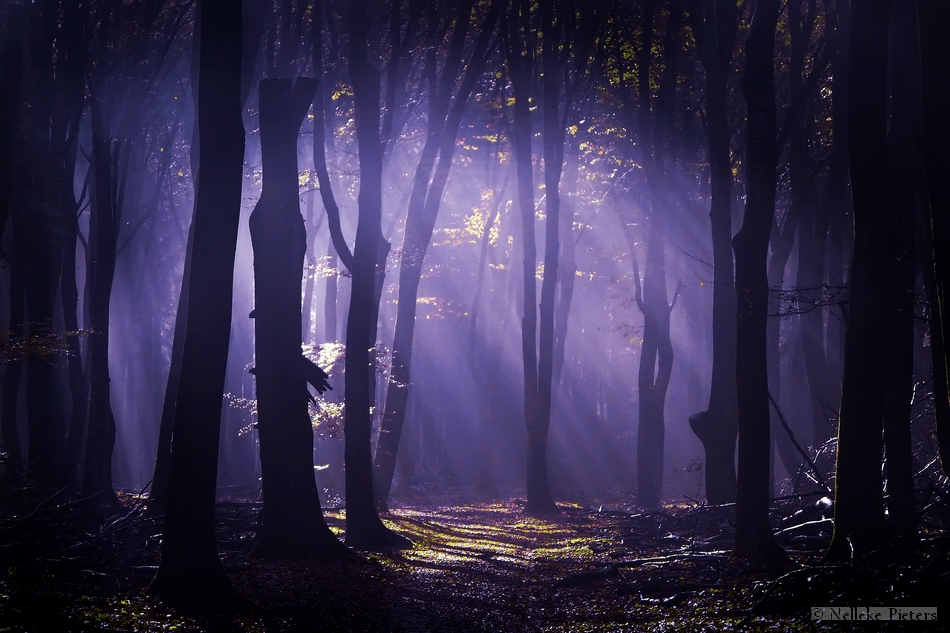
554 315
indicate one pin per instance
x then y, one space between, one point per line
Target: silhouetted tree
714 26
859 506
935 82
753 532
292 521
104 221
190 570
363 526
906 173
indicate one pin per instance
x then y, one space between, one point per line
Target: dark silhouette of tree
104 221
363 527
813 218
34 214
935 83
72 88
903 128
859 506
292 520
253 20
753 532
190 570
10 84
714 26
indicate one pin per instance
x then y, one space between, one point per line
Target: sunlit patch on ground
485 567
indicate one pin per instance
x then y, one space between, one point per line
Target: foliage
15 347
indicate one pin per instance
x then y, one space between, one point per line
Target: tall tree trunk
714 26
519 59
9 98
363 526
935 76
836 202
859 508
104 222
539 491
190 570
753 532
904 127
812 223
68 114
292 523
39 231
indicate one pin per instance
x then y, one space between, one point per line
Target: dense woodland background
636 252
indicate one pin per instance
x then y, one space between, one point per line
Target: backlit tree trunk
859 506
753 532
714 27
292 522
190 570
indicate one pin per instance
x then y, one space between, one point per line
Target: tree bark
935 75
753 536
904 127
714 27
859 507
190 570
292 522
364 529
104 225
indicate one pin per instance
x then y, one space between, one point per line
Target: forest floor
484 567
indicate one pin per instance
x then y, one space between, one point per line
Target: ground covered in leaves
485 567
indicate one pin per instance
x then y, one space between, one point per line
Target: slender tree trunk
812 226
42 255
104 223
9 98
363 526
190 570
753 532
715 30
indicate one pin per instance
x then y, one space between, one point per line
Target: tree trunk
292 522
190 570
9 98
753 532
812 226
859 510
717 427
39 231
904 127
104 223
364 529
935 75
